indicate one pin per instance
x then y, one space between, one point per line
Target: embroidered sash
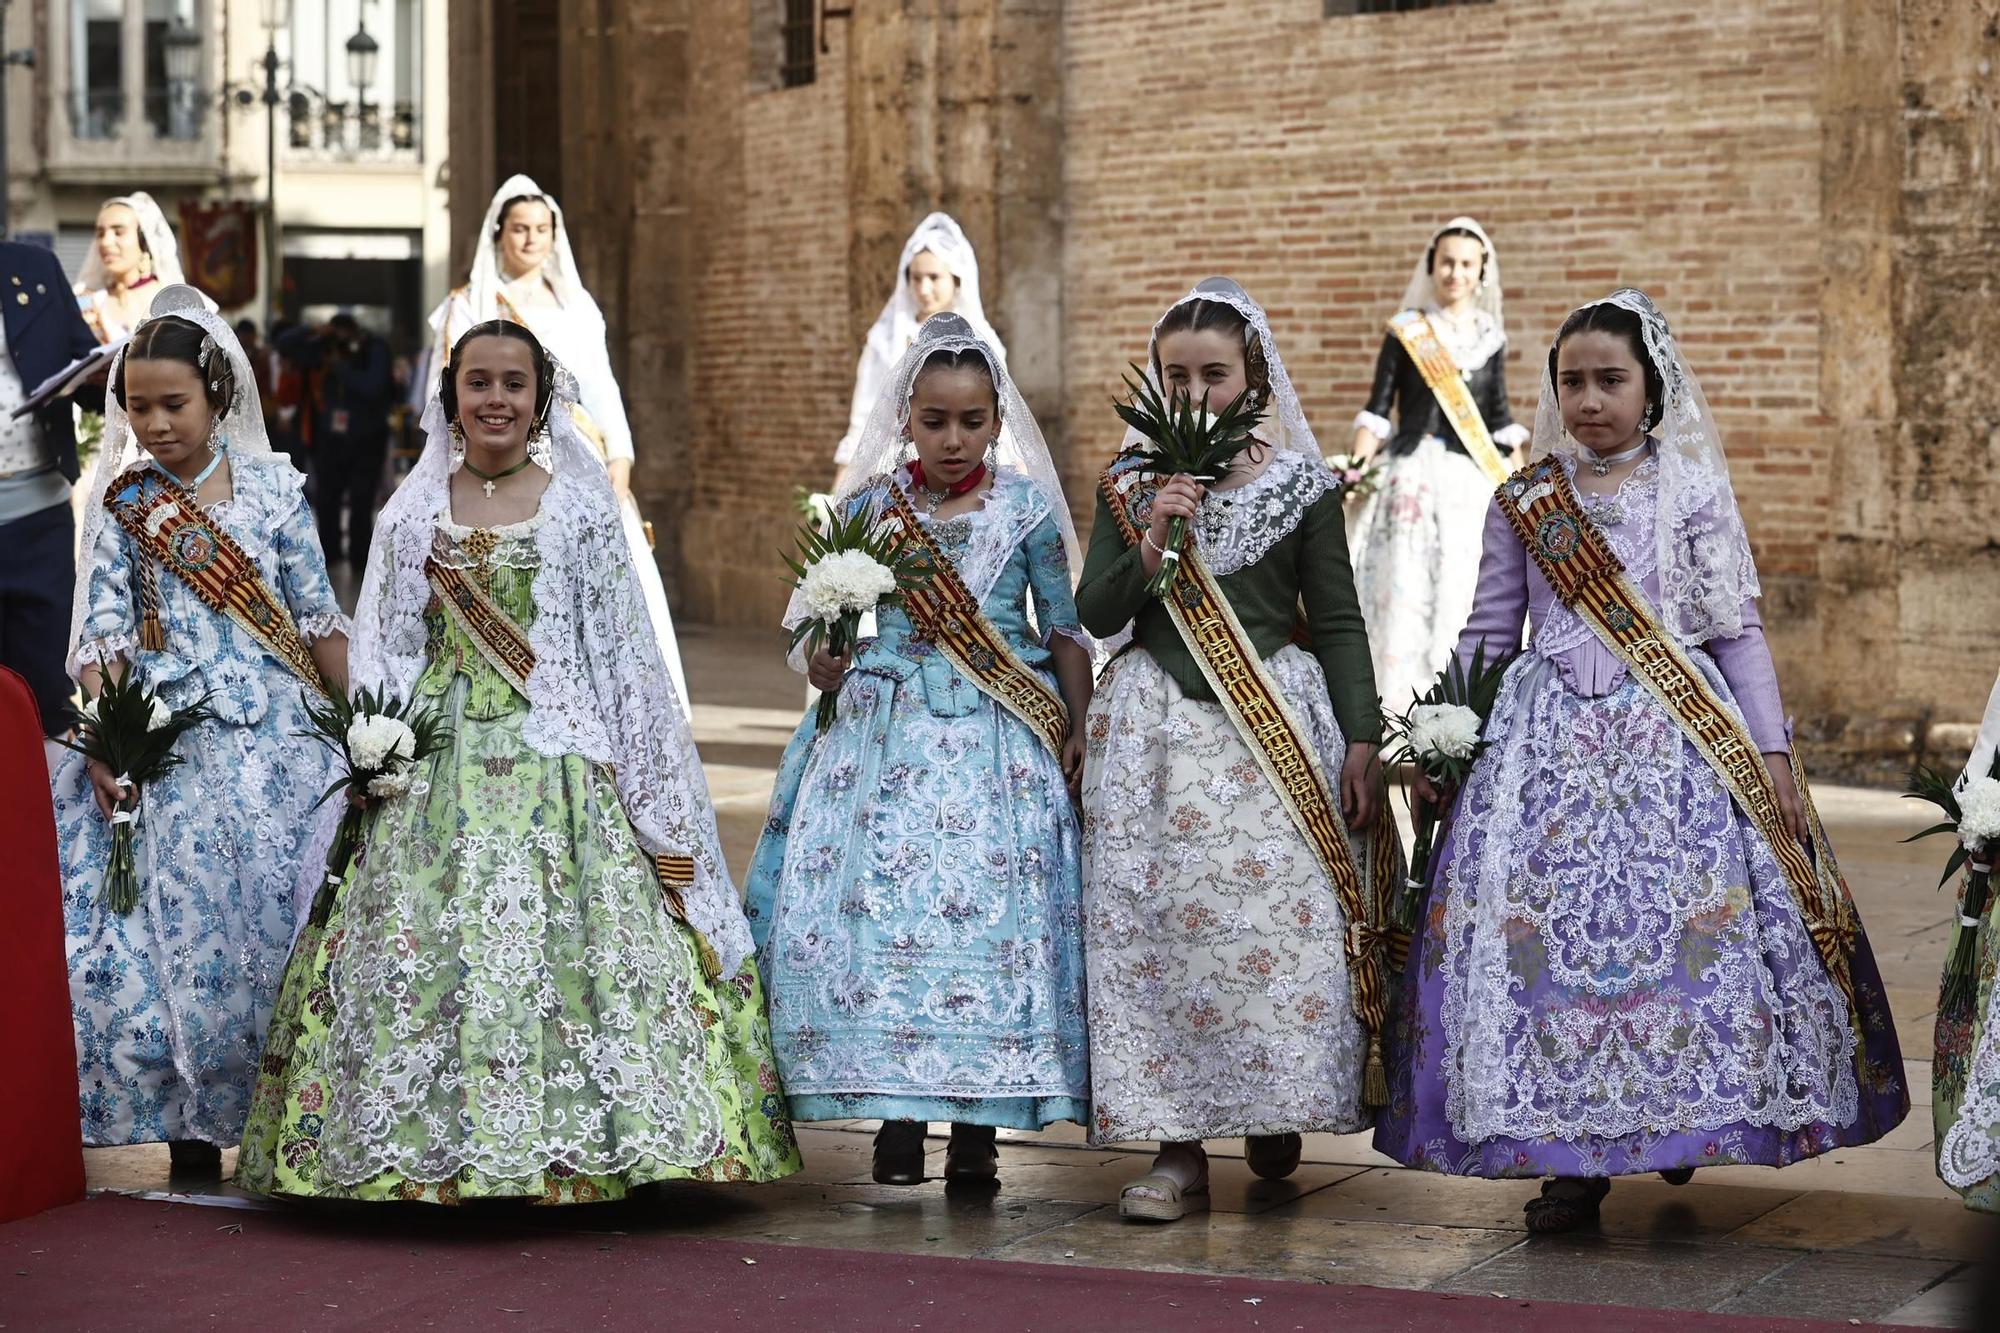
1283 750
172 532
504 645
1585 573
1434 362
946 614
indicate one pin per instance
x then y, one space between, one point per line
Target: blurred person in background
351 389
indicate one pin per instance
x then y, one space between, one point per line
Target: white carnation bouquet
845 568
132 732
1972 817
381 743
1440 736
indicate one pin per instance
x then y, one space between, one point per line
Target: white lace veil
241 428
1706 571
599 688
940 234
1284 424
160 244
884 448
1421 294
559 269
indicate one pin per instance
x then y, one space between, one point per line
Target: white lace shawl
599 688
240 428
1703 558
92 277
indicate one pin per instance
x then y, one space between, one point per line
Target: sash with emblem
173 533
1542 505
1283 749
505 647
944 613
1447 384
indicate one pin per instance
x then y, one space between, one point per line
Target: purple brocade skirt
1610 975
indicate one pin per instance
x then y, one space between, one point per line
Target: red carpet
119 1264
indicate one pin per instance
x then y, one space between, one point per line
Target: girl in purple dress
1612 974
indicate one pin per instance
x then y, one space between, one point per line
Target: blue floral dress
916 893
171 1001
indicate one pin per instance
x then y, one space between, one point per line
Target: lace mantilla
1236 528
600 688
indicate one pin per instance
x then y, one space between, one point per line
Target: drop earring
456 434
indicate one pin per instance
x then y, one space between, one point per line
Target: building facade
168 96
1807 186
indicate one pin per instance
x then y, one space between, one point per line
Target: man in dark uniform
44 332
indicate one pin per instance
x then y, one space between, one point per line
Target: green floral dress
496 1001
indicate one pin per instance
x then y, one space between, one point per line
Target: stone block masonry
1806 186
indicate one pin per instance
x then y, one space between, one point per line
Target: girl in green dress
502 998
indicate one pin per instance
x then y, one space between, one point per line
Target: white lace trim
325 625
105 649
513 548
1511 437
1237 528
1471 344
1007 513
1625 518
1380 427
1970 1151
1592 825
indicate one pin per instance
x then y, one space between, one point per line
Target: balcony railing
327 131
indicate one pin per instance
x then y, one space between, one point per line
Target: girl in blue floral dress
172 999
915 895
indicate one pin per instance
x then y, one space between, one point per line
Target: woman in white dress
937 272
524 270
1415 540
135 258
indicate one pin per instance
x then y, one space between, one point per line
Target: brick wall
1804 185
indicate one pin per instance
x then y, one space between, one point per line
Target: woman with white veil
134 259
1638 954
171 1000
534 981
1234 833
936 272
1415 540
916 891
524 270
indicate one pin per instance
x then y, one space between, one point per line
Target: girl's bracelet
1147 537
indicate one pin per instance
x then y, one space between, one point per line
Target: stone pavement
1866 1234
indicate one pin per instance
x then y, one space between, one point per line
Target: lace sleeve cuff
1074 633
1511 436
1379 427
326 625
109 648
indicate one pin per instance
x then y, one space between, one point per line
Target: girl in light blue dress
171 1000
915 895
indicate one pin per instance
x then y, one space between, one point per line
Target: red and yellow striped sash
945 613
173 533
1541 503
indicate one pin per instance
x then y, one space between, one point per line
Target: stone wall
1807 187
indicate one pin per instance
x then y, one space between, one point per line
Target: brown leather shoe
899 1153
1273 1156
972 1156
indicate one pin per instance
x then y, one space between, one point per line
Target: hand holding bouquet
1440 735
131 732
1187 439
1972 816
380 742
1357 477
845 568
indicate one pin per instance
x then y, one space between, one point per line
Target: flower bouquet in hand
379 742
1357 477
1440 734
1972 817
131 731
1187 439
844 569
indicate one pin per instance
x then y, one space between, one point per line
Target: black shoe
972 1157
899 1153
1680 1175
1273 1156
192 1157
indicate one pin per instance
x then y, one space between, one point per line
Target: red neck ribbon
959 487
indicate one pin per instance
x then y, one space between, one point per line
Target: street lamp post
24 57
